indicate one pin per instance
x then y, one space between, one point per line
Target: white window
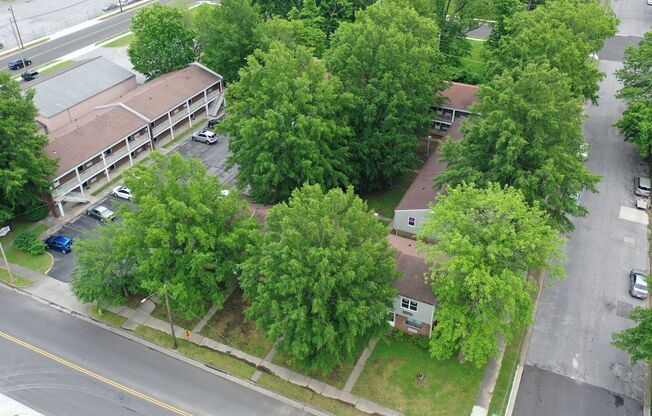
412 221
414 323
409 304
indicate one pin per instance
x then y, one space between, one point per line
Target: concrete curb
173 354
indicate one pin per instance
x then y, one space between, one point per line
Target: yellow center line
95 375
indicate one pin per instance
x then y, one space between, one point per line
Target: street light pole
20 51
11 9
3 232
167 305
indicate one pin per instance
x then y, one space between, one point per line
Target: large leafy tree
24 167
185 236
104 271
323 269
636 76
563 34
228 35
528 135
285 123
388 60
161 41
637 341
292 33
487 241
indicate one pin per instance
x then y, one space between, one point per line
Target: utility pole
167 305
20 39
20 51
3 232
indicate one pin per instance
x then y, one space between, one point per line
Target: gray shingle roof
76 85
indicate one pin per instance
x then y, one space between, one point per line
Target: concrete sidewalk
59 295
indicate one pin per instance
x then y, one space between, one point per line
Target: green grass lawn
17 227
384 202
336 378
304 395
60 65
474 61
40 263
119 43
196 11
203 354
390 378
508 367
161 313
229 327
107 316
19 280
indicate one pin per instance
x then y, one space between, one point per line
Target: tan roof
414 269
77 142
460 96
422 192
167 91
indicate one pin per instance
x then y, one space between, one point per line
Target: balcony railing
161 127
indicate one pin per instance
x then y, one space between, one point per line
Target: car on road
638 283
109 7
19 63
642 186
121 192
60 243
29 75
102 213
649 2
126 2
205 136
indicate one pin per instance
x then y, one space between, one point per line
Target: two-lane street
60 365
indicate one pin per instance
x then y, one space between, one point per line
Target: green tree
228 36
387 59
186 237
637 341
505 10
487 241
161 41
104 271
292 33
528 136
636 76
24 167
285 125
563 34
323 269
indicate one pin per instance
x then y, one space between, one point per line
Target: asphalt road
572 367
86 370
49 51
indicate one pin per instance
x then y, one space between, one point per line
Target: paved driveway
65 263
214 157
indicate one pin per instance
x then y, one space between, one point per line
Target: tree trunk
460 357
167 305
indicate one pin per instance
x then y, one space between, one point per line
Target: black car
214 121
19 63
29 75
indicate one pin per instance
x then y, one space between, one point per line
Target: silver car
642 186
205 136
102 213
638 283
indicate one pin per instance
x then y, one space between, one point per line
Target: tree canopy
320 279
487 239
292 33
161 41
24 167
285 124
388 60
528 135
228 35
636 76
637 341
563 34
183 238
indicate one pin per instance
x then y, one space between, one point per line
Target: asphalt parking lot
65 263
214 157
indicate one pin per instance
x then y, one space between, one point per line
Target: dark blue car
60 243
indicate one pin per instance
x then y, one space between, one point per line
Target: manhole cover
623 309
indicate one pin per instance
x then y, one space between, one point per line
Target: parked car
60 243
205 136
214 122
19 63
642 186
126 2
29 75
583 154
577 197
649 2
121 192
109 7
638 283
102 213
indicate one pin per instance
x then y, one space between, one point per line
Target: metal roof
77 84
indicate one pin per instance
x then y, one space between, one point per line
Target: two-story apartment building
411 211
114 133
414 307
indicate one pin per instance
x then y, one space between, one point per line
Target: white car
205 136
121 192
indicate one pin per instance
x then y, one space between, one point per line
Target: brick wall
401 325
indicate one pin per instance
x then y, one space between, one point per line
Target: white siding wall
424 313
402 220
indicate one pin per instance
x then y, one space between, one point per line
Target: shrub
29 243
37 213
